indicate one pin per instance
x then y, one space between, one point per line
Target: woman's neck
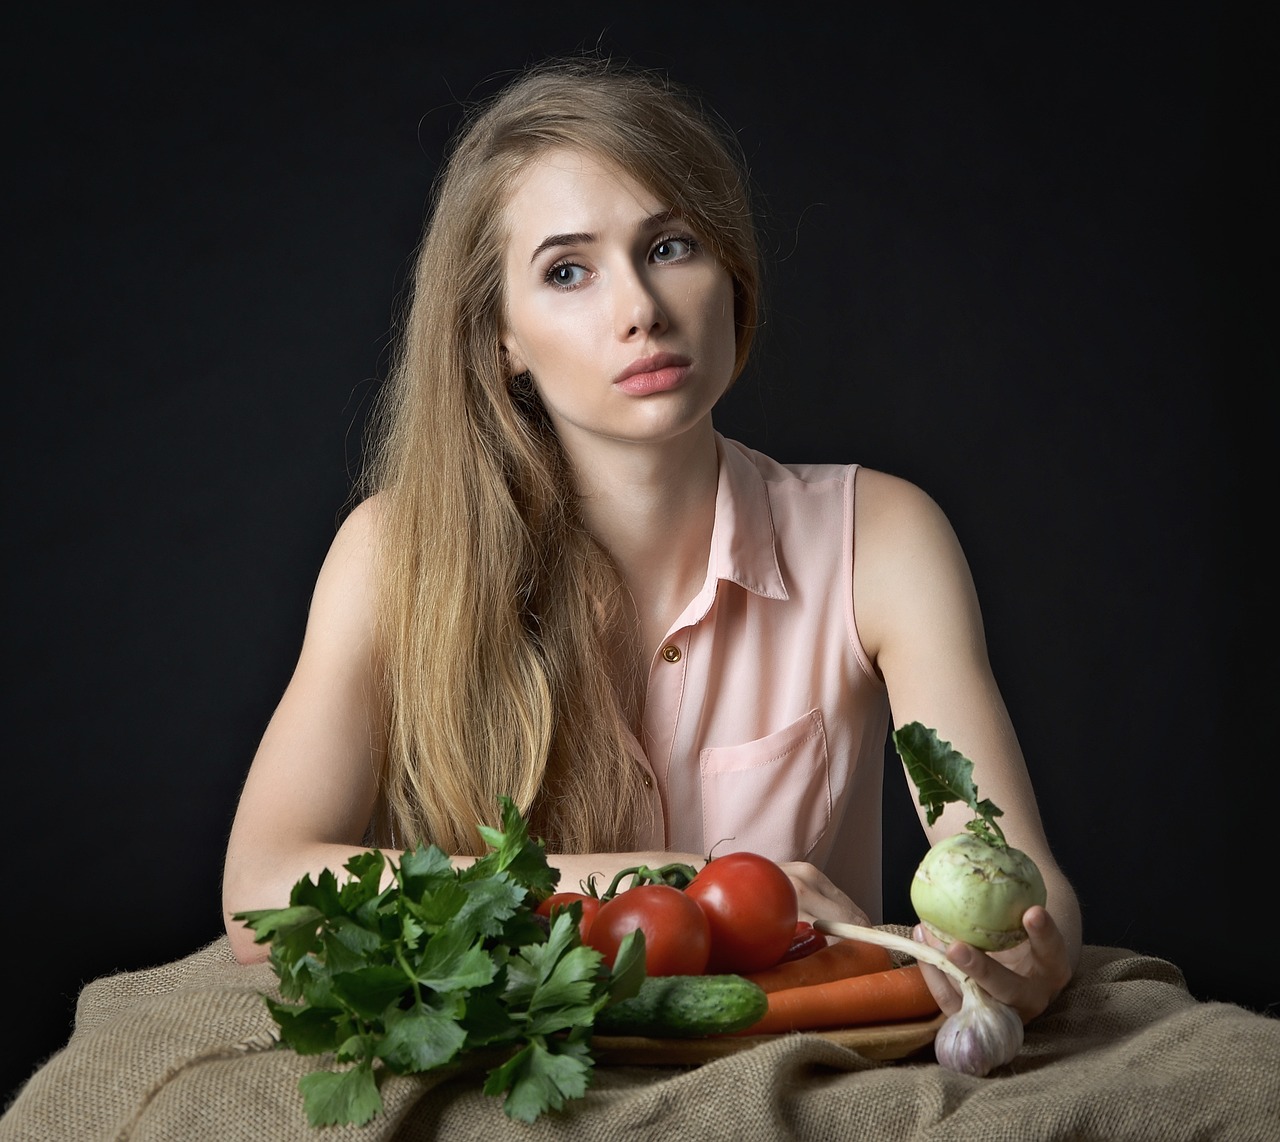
652 507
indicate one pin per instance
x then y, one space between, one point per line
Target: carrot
877 997
837 960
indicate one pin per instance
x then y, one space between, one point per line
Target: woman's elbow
243 947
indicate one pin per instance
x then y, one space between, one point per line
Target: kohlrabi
973 886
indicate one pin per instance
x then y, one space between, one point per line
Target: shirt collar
743 547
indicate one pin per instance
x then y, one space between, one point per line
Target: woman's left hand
1026 977
818 898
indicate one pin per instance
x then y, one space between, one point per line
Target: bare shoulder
344 589
356 541
908 564
362 522
894 517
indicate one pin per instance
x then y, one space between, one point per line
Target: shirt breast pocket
772 795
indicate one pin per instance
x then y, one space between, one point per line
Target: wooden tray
879 1041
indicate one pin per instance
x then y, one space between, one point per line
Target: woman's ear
512 363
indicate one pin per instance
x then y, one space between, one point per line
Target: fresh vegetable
972 886
982 1035
685 1007
837 960
677 874
413 976
805 942
965 889
588 906
677 936
890 996
750 904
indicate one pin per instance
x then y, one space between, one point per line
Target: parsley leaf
442 961
342 1096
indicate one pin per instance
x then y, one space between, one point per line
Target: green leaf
335 1097
572 981
437 906
520 928
489 903
529 966
364 884
558 984
308 1030
421 1038
454 959
357 1048
943 775
514 852
309 977
322 894
369 991
293 931
348 945
628 967
488 1019
424 870
540 1078
405 978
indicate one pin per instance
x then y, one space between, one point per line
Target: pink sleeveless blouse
765 724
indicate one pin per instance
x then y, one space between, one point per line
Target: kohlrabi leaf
943 775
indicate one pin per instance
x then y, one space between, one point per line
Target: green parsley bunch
440 963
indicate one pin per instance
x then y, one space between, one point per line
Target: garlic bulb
982 1035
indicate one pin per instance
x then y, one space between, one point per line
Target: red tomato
677 936
751 906
558 900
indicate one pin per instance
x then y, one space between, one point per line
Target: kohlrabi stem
925 952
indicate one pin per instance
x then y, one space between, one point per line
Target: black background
1014 258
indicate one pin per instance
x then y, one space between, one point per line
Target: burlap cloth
185 1052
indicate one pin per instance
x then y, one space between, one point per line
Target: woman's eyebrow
552 240
583 238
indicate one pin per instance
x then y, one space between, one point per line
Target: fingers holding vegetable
1026 979
1029 976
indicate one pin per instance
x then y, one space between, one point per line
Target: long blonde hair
500 617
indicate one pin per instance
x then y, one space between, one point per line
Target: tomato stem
677 874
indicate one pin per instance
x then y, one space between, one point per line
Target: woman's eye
565 275
673 249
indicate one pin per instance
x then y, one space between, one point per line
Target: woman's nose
639 309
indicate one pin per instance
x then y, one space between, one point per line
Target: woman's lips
656 374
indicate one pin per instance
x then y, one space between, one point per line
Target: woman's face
615 308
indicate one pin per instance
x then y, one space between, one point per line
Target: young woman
561 584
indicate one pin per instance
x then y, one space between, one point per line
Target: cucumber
685 1007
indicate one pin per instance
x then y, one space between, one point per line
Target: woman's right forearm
266 879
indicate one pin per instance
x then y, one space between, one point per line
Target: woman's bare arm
310 791
309 796
919 618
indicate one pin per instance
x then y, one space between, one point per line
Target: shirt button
648 781
671 653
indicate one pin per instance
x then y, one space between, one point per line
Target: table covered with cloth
187 1051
